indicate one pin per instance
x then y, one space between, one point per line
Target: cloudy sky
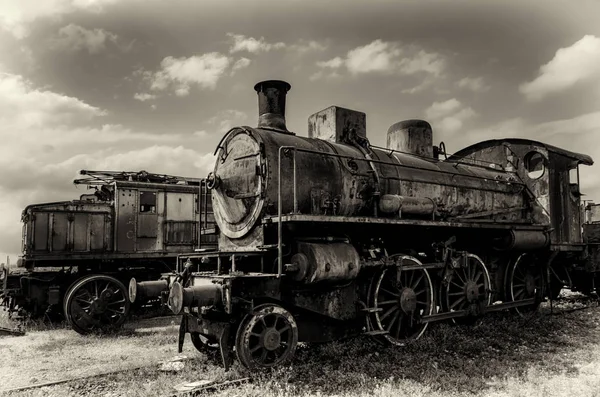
154 84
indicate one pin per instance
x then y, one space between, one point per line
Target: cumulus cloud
304 46
23 106
242 43
252 45
226 119
240 64
475 84
17 16
571 65
203 71
449 116
387 57
144 96
74 38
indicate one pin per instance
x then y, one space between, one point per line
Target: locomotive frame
375 241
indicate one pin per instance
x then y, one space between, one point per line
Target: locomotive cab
551 177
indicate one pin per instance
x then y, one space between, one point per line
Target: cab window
148 202
535 164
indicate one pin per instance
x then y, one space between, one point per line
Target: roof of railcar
581 158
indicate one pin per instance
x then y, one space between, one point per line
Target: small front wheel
266 338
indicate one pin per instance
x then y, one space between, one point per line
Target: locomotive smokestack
271 103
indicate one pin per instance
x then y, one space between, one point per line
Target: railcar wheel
525 281
96 303
403 296
267 337
468 285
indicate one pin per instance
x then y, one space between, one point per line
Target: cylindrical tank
411 136
333 178
247 171
331 262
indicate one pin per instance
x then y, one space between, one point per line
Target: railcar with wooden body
78 254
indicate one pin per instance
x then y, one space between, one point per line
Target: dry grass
502 355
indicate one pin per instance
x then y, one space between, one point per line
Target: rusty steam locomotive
329 236
79 255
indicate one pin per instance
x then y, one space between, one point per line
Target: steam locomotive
327 237
79 255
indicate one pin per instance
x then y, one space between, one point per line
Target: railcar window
535 164
148 202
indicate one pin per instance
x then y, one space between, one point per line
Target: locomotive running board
487 309
400 222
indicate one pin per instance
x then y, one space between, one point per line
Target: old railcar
329 236
77 254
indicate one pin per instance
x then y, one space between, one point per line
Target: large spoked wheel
525 281
469 286
267 337
403 297
96 303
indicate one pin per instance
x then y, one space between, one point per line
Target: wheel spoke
389 292
456 302
388 312
389 326
388 302
457 273
414 285
263 356
399 327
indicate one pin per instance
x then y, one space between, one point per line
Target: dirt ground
501 355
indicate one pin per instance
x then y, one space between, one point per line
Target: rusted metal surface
271 104
333 262
523 240
394 204
411 136
335 123
547 173
479 224
202 293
